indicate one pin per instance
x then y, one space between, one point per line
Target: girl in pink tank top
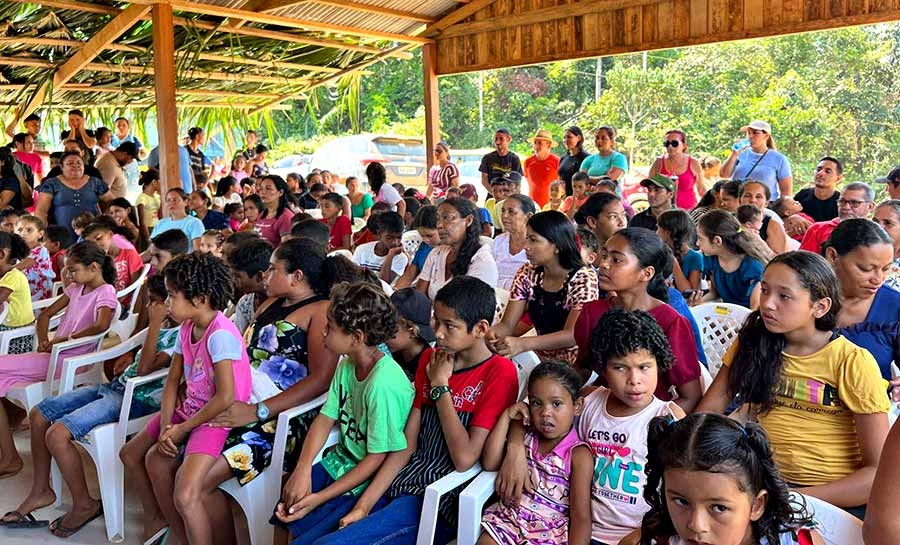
211 357
689 182
560 465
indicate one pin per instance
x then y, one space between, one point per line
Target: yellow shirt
811 427
19 301
151 208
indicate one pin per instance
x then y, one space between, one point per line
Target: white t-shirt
482 267
507 265
220 202
365 257
388 194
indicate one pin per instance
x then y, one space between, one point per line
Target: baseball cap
759 125
511 177
415 307
893 175
467 191
659 180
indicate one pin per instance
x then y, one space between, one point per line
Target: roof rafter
456 16
262 6
105 36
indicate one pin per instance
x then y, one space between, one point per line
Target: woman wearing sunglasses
759 160
684 169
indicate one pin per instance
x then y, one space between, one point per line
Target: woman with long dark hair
461 252
570 162
383 191
274 221
634 264
552 286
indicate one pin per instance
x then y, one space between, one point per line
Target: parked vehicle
403 157
292 163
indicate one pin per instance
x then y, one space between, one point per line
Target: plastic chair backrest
837 526
4 310
358 224
525 362
705 378
719 324
502 297
314 212
346 253
411 242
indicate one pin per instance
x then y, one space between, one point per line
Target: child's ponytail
18 249
87 253
722 224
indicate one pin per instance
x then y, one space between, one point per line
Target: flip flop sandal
159 538
58 530
22 521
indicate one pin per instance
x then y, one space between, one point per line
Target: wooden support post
432 101
166 113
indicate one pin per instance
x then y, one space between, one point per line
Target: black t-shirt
818 209
568 166
65 136
644 219
12 184
198 160
494 165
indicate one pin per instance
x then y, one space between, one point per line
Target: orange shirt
540 174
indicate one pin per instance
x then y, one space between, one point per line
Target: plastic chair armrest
471 503
432 501
283 428
130 386
68 379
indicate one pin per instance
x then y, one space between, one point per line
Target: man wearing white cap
541 167
760 161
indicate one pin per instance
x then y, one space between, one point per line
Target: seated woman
860 252
772 230
509 246
634 266
819 397
552 287
290 366
461 252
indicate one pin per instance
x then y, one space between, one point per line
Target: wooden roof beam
137 105
456 16
226 28
289 22
56 42
87 88
105 36
263 6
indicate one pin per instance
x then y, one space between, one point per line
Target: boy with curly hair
369 399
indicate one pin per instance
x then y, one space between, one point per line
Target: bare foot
10 468
34 502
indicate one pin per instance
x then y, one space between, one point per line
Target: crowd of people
406 307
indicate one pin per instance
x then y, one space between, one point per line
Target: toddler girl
14 291
558 461
37 266
677 229
211 242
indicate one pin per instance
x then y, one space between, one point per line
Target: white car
298 164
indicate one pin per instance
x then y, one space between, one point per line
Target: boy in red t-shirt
57 240
461 389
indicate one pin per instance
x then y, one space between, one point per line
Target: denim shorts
83 409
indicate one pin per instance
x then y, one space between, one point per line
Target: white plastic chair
123 325
6 337
57 289
705 378
411 241
358 224
346 253
103 443
4 310
30 394
259 497
487 241
502 296
41 304
719 324
837 526
314 212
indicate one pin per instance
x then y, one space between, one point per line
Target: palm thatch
227 71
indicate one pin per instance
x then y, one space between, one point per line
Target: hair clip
740 230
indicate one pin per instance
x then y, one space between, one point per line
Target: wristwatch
438 391
262 412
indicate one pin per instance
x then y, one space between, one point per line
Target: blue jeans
396 523
323 519
83 409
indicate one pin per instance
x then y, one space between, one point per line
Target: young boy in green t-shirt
369 399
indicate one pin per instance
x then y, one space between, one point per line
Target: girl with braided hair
211 357
712 480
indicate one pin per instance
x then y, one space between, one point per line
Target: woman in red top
634 264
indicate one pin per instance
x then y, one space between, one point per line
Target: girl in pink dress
558 509
89 303
37 266
211 357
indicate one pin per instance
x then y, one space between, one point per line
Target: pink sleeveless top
685 195
199 373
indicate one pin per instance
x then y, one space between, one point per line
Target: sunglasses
671 143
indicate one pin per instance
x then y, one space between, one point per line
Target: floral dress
278 359
893 275
40 274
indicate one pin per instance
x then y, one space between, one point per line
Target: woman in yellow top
14 291
820 398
